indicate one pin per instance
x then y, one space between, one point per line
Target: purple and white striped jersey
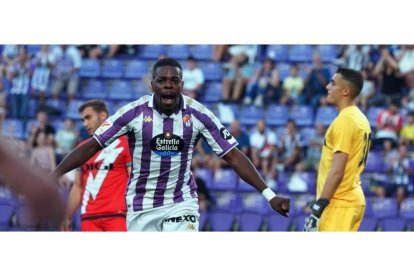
162 147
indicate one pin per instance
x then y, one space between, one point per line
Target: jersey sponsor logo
167 144
147 119
104 127
189 218
187 120
225 133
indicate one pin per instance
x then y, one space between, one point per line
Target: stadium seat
204 216
250 222
94 89
120 90
302 115
284 70
299 206
178 51
393 225
384 208
13 127
57 104
249 115
91 68
212 92
112 68
152 51
33 49
225 180
300 53
328 52
221 221
212 71
72 111
202 52
254 202
207 176
307 133
278 52
325 115
374 162
278 223
300 223
276 115
227 201
407 209
136 69
139 89
6 214
244 187
368 225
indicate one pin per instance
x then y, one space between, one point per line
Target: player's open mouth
167 99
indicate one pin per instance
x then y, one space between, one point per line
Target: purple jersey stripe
145 160
164 169
212 128
187 135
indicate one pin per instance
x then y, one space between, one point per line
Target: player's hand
280 205
66 225
312 222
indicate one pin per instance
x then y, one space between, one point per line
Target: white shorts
180 217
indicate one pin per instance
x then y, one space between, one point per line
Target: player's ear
347 92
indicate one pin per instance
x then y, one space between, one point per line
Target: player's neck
344 104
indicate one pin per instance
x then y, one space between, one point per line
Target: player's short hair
354 78
97 105
166 62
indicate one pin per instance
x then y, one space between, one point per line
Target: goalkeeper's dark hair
166 62
354 78
97 105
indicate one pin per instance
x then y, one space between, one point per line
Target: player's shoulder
197 108
132 105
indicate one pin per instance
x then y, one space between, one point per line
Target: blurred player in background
340 201
163 129
100 183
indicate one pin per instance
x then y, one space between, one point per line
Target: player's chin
329 99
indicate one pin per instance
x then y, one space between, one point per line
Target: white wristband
268 194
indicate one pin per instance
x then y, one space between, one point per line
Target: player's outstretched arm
77 157
247 171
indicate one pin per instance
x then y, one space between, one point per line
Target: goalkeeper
340 203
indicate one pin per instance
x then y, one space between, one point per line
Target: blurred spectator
239 73
401 172
406 67
298 181
220 52
98 51
42 125
264 86
389 154
367 92
316 80
43 155
290 147
263 149
3 104
389 123
193 79
20 73
8 57
41 73
389 77
292 87
407 132
314 149
356 57
66 139
66 61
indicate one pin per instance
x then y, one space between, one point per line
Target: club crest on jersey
147 119
167 144
187 120
104 127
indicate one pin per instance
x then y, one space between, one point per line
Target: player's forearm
331 184
76 158
245 169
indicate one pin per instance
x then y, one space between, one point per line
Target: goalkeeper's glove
312 222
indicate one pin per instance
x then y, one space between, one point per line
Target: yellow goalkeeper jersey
349 133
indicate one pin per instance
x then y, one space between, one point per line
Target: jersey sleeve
343 132
114 127
215 134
